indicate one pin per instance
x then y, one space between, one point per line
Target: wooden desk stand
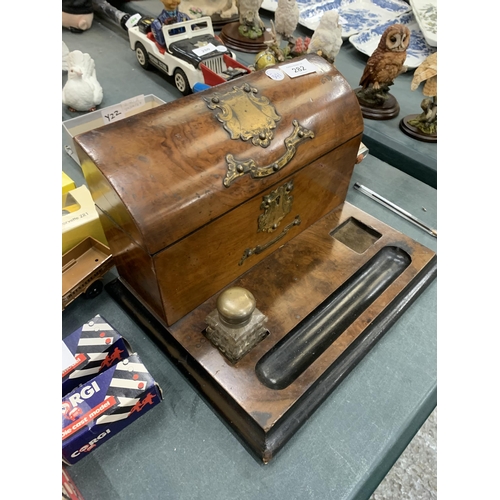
290 286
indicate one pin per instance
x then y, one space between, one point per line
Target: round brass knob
235 306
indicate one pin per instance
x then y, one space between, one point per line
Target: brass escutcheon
276 205
260 248
245 115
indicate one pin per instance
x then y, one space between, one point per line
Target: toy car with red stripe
192 53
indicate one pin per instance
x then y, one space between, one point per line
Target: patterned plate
367 41
355 15
426 15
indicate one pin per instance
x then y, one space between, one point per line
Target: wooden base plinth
289 285
218 22
232 39
389 109
414 131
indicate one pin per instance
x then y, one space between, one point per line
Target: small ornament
249 33
265 58
251 25
286 19
82 91
423 126
327 38
301 46
382 68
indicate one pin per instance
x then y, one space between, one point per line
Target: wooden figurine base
414 131
329 295
232 39
219 22
389 109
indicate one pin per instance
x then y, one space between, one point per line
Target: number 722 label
299 68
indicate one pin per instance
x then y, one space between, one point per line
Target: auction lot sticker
275 74
299 68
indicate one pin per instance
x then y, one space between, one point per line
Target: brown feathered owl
387 62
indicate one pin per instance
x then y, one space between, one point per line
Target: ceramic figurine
82 91
220 11
251 25
301 46
273 54
423 126
249 33
382 68
169 15
229 10
286 19
327 38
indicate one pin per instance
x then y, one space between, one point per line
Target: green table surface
181 449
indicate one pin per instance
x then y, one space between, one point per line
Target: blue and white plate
367 41
426 16
354 15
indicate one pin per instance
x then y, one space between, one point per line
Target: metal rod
398 210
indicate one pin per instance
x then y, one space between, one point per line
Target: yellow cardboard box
79 219
67 183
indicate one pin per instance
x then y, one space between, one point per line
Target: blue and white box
106 404
95 346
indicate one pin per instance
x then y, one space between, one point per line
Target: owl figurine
286 19
327 38
426 72
387 61
382 68
424 126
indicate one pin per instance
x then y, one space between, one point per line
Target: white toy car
192 54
